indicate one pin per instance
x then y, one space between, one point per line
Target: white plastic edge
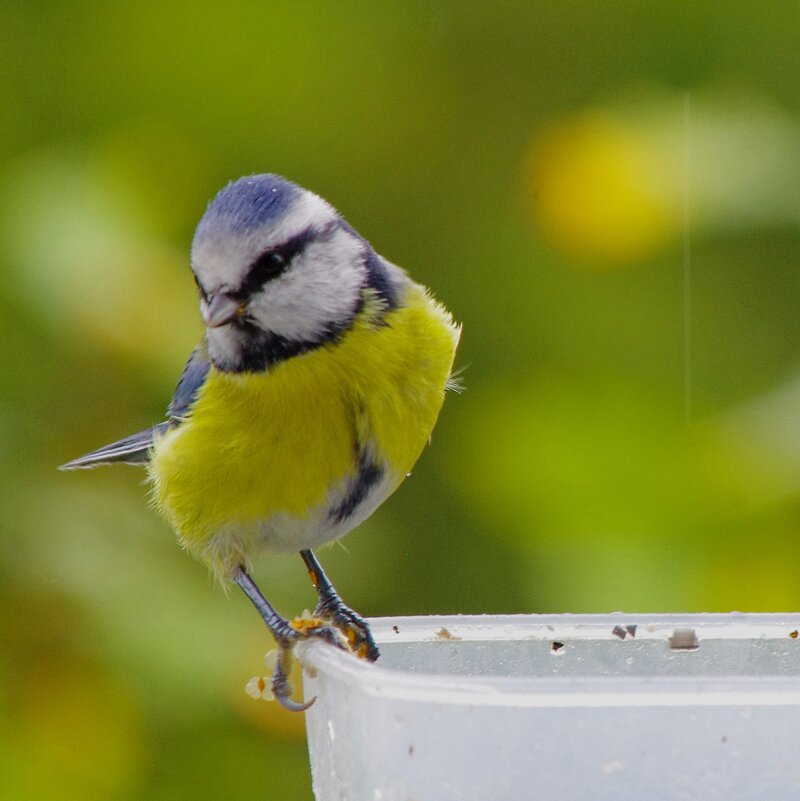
374 680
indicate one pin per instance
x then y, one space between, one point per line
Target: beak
220 309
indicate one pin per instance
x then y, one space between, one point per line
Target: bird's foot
332 610
280 688
351 625
286 634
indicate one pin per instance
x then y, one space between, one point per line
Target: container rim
710 690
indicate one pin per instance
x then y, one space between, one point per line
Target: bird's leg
333 610
285 636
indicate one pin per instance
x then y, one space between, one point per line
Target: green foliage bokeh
606 195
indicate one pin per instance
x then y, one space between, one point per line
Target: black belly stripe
368 475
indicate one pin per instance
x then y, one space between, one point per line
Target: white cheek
317 294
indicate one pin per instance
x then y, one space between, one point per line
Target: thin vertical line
687 265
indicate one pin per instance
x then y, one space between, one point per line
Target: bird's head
279 272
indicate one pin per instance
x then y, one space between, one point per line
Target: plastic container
622 706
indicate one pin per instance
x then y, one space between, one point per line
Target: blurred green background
607 195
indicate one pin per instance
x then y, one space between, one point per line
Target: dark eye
266 267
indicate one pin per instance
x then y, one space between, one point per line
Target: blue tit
314 389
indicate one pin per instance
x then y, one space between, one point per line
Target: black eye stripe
267 266
274 262
277 260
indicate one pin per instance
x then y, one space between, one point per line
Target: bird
315 387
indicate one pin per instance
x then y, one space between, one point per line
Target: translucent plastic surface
639 707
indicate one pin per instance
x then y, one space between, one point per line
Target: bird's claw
352 626
281 688
300 628
340 628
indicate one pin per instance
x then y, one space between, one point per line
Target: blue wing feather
192 378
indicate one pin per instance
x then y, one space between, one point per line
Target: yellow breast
272 445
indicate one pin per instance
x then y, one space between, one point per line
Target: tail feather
134 449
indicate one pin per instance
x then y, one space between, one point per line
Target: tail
134 449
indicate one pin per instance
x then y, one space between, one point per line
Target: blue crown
249 203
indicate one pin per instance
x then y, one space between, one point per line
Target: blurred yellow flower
615 185
600 191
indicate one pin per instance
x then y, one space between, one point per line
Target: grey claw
293 706
281 689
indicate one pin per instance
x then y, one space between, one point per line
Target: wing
131 450
192 378
135 449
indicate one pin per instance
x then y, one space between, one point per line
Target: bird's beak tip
219 310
